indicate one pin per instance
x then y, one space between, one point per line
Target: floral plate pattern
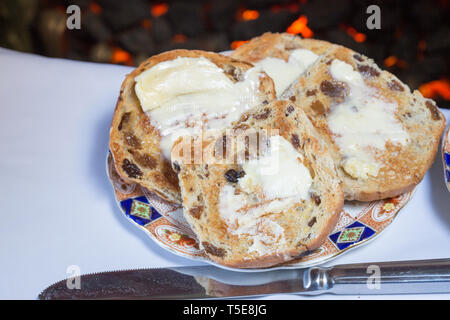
359 223
446 156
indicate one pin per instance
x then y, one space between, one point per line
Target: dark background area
413 42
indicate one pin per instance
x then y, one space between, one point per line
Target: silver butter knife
206 282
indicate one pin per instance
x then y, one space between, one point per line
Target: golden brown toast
134 138
230 207
390 167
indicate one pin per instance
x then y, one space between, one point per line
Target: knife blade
209 282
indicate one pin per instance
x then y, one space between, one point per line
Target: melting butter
363 121
280 173
186 95
277 180
284 73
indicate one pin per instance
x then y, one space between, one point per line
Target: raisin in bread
382 136
252 209
135 137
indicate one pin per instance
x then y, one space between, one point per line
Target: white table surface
57 207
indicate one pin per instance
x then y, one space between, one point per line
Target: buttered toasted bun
177 93
260 207
383 137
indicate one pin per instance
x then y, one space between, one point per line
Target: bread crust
278 45
134 141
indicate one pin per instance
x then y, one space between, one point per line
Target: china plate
446 156
359 223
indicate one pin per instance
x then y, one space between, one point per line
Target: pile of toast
262 147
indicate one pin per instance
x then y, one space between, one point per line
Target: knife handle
402 277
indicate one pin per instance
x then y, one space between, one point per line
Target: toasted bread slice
383 137
135 139
389 168
253 209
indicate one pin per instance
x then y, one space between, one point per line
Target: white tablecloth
57 207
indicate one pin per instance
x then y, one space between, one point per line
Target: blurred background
413 42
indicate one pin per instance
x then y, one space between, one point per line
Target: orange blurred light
250 15
360 37
390 61
159 9
120 56
293 7
436 88
147 23
422 45
394 61
95 8
178 38
299 26
236 44
357 36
